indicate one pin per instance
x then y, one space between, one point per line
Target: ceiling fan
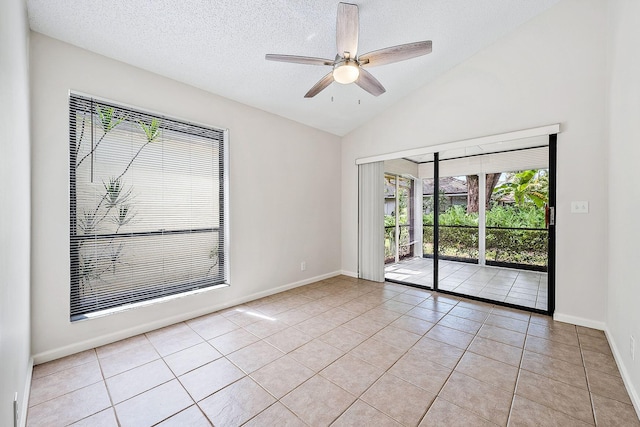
348 67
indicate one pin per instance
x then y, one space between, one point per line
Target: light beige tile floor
342 352
520 287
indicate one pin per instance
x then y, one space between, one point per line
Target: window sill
115 310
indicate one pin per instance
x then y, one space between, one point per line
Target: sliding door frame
551 236
551 261
551 132
436 217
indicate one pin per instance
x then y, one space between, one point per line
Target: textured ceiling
219 46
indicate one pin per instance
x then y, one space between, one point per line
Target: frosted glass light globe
347 72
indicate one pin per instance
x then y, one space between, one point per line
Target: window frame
75 238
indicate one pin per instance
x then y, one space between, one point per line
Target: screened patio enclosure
469 206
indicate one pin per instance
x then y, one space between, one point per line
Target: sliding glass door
485 219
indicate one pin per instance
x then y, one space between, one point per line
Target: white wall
550 70
14 207
623 314
284 196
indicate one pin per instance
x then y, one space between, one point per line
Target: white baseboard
59 352
633 392
580 321
349 273
22 421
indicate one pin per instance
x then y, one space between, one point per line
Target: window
147 206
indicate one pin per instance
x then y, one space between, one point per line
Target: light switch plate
580 207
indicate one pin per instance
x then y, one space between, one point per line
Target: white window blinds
147 206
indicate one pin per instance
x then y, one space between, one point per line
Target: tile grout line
372 384
379 293
370 337
162 358
457 363
278 400
70 391
392 365
586 377
444 383
553 379
318 373
515 388
104 380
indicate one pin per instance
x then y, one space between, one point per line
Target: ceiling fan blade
320 86
347 28
395 54
298 59
369 83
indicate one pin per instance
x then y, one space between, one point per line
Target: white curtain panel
371 221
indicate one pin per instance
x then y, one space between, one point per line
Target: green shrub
461 242
529 216
517 246
459 234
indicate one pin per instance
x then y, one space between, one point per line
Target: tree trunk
492 181
473 196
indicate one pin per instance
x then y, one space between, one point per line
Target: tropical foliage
515 232
499 216
511 234
526 187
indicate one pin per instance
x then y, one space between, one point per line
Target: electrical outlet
632 347
303 266
581 207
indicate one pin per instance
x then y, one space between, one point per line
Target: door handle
549 216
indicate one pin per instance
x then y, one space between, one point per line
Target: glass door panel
405 229
517 238
493 243
390 252
458 236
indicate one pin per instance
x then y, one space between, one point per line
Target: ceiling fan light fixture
346 72
347 64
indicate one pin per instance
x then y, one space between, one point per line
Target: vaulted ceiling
220 46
